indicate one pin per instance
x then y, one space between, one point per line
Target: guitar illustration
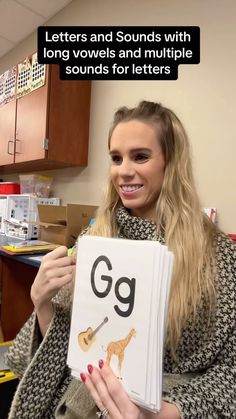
86 338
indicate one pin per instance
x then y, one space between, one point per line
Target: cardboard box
62 224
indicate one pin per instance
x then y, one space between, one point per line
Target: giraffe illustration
118 348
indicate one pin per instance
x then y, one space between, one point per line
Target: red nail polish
90 368
83 377
101 363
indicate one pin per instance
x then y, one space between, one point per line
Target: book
27 247
119 312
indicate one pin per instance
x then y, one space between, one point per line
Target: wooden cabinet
31 126
47 128
7 132
16 305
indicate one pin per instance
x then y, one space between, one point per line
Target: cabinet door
16 307
31 126
68 128
7 132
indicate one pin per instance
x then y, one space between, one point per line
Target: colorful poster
10 84
38 78
24 78
2 88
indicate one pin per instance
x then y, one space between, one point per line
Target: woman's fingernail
83 377
101 363
90 368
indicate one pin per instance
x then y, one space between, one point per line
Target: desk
17 274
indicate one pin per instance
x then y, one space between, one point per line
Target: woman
151 195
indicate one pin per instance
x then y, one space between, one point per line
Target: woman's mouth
130 188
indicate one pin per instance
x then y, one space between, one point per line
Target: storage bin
7 188
37 185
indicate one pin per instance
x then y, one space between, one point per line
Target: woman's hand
108 393
56 271
111 398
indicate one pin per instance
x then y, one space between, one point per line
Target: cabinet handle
16 152
8 147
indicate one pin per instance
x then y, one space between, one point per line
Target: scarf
137 228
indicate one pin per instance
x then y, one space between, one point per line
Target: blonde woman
150 195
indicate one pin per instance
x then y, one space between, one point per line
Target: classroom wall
203 96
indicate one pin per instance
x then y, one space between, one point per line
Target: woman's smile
130 189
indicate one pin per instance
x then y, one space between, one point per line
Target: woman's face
137 166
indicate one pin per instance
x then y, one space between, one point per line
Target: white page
152 370
130 259
166 278
156 387
162 283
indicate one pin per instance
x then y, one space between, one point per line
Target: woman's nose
126 168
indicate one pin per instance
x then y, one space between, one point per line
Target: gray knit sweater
202 383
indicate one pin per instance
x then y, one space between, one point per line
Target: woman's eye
140 157
116 159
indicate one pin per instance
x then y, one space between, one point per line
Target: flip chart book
119 311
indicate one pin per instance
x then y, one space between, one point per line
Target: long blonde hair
188 233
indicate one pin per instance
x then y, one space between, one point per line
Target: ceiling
19 18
